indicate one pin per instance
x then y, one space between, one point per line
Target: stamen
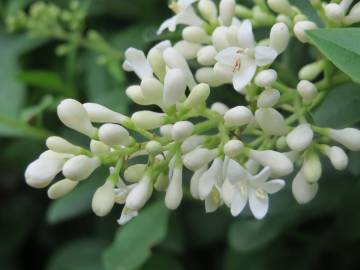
261 194
237 65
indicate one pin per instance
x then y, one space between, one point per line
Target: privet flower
302 190
103 199
300 137
349 137
61 188
301 27
80 167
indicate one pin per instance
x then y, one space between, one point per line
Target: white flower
80 167
181 130
349 137
140 194
240 62
194 182
252 188
135 60
100 114
122 191
302 190
271 121
126 215
174 192
337 156
60 145
112 134
198 158
184 14
300 137
61 188
103 199
174 86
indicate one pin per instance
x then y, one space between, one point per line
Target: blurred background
37 233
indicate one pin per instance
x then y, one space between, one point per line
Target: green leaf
30 112
354 165
133 242
162 261
76 203
340 108
341 47
81 254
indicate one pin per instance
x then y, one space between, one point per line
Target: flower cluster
237 155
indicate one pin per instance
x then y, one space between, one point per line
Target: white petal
167 24
245 35
302 190
228 56
258 207
212 202
224 72
274 186
127 66
244 76
238 203
228 191
126 216
235 172
262 176
188 17
138 62
162 45
206 183
185 3
264 55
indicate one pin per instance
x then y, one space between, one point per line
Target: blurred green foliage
36 233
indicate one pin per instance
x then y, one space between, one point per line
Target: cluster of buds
342 13
237 155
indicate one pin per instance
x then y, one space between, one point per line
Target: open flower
239 63
184 14
252 188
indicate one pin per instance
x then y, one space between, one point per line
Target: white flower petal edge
136 61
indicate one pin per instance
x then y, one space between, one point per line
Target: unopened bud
354 15
103 199
135 93
271 121
219 38
191 143
349 137
73 115
153 147
98 147
80 167
281 6
188 49
268 98
195 34
157 62
219 107
206 55
194 182
300 29
198 158
238 116
165 130
334 12
226 11
174 86
152 89
338 157
174 192
100 114
134 173
279 37
302 190
112 134
265 78
61 188
208 10
300 137
307 90
181 130
148 119
233 148
140 194
312 168
162 182
197 96
209 76
60 145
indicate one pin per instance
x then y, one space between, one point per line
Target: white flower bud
345 4
233 148
187 49
103 199
301 27
226 11
148 119
165 130
181 130
227 192
112 134
279 37
334 12
219 38
209 76
140 194
174 59
312 168
208 10
162 182
265 78
153 147
300 137
281 18
100 114
219 107
311 71
98 147
80 167
195 34
281 6
271 121
198 158
174 192
61 188
157 62
206 55
349 137
268 98
135 93
152 89
60 145
194 182
338 157
307 90
73 115
238 116
134 173
279 163
197 96
302 190
354 15
42 171
191 143
174 86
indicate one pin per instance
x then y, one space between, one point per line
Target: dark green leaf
133 242
340 46
354 165
340 108
30 112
